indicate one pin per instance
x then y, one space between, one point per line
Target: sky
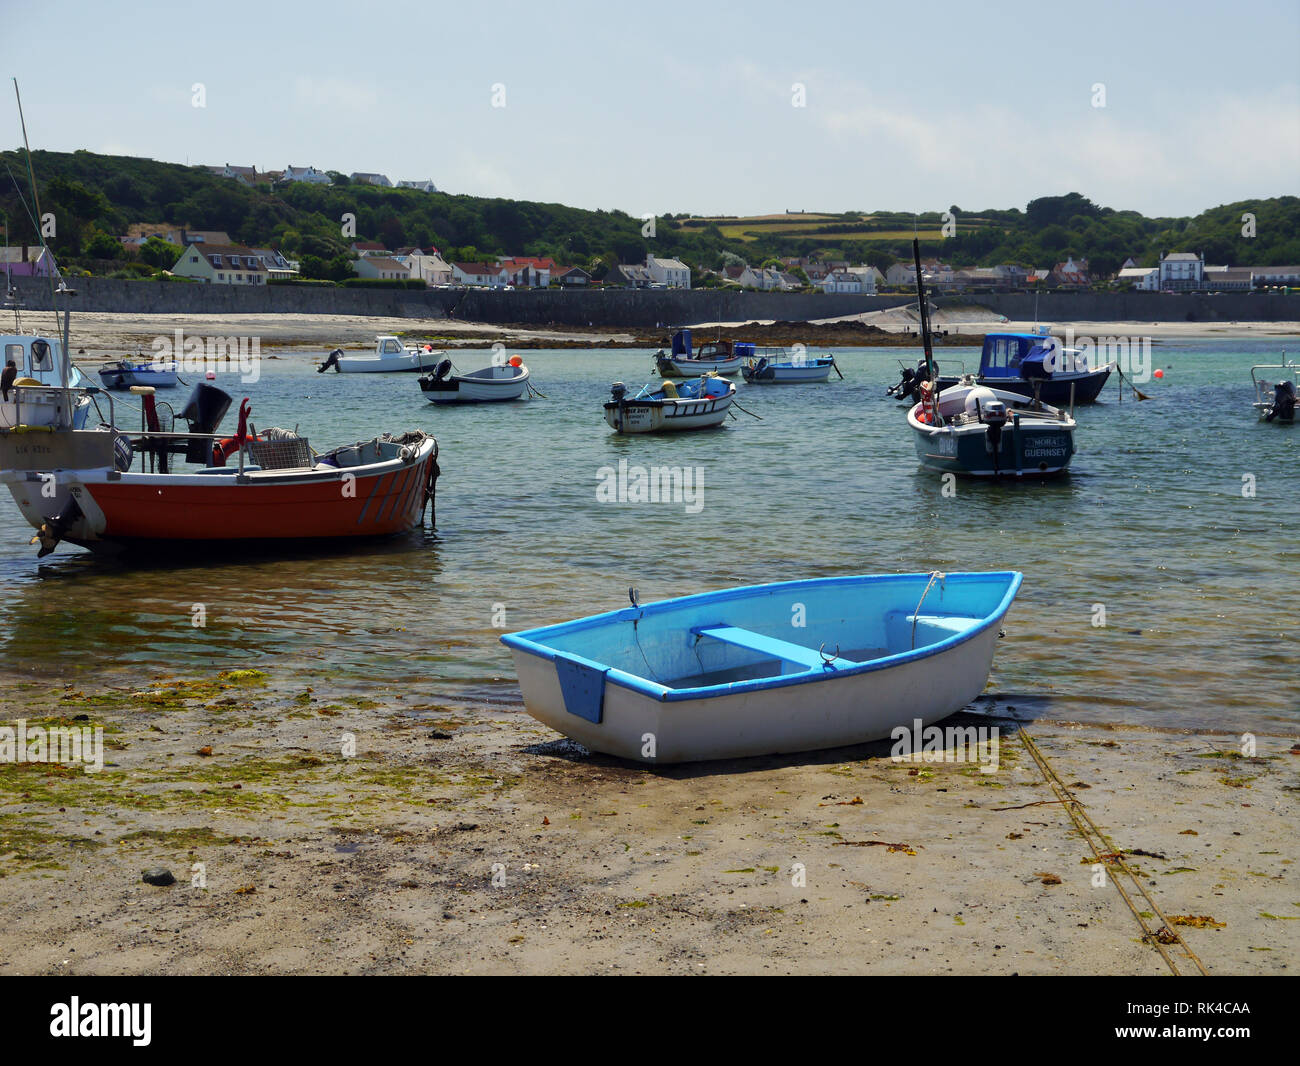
1167 108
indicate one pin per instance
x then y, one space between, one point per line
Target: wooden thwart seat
809 658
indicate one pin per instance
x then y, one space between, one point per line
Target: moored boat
716 357
698 404
1275 397
123 374
726 674
80 485
391 357
977 431
983 432
1037 364
772 369
492 384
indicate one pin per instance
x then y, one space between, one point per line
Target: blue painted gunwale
532 640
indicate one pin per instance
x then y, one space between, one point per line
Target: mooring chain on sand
1108 856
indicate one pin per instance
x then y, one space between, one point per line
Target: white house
841 281
1145 278
222 264
1278 275
381 267
671 273
423 186
1182 270
430 268
479 274
244 175
869 276
372 179
307 174
277 266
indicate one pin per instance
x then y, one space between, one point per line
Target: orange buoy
1159 373
516 361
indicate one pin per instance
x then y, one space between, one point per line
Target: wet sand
482 843
103 336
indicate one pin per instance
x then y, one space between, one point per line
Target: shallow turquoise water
1200 585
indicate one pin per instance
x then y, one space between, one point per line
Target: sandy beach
102 336
485 844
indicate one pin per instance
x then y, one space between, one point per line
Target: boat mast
930 366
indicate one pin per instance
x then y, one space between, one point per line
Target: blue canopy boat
1037 364
793 666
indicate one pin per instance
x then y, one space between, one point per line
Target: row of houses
251 176
1188 271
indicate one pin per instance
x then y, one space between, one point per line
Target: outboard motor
906 386
617 391
994 416
442 369
204 410
1284 401
331 361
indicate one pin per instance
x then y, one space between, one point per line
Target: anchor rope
1165 933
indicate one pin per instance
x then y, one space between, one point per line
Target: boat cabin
1022 355
37 358
386 347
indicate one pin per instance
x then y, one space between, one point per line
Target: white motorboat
390 357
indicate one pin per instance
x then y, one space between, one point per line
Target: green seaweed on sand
28 844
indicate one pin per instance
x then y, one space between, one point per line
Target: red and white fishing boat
105 489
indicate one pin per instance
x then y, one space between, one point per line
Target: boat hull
410 363
502 386
1027 448
632 718
668 416
811 373
1054 390
693 368
125 379
126 508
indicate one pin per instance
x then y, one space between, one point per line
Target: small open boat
1275 396
492 384
698 404
716 357
732 673
124 375
773 370
390 357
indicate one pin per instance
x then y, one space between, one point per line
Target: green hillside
95 197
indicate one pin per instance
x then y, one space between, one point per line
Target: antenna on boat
65 361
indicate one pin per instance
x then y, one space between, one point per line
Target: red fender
224 449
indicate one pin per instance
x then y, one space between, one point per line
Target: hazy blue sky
659 107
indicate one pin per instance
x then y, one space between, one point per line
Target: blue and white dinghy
793 666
